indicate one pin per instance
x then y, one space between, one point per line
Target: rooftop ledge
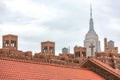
42 63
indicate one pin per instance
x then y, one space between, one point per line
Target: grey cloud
8 16
72 21
114 8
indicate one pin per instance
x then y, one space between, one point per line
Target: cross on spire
92 49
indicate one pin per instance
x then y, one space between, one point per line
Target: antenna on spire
90 9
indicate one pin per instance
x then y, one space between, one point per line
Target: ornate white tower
91 37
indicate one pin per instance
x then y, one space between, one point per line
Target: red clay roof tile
17 70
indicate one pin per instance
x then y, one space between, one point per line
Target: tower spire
91 23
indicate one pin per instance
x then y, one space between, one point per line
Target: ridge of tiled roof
41 63
107 67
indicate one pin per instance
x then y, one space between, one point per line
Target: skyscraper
91 37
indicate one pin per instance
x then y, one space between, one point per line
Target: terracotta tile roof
106 66
23 70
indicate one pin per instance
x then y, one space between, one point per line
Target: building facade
10 41
48 47
79 52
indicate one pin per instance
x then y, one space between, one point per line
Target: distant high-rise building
65 50
110 44
91 37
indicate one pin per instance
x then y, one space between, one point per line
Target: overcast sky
65 22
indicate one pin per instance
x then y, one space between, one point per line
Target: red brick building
79 52
48 47
10 48
110 55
